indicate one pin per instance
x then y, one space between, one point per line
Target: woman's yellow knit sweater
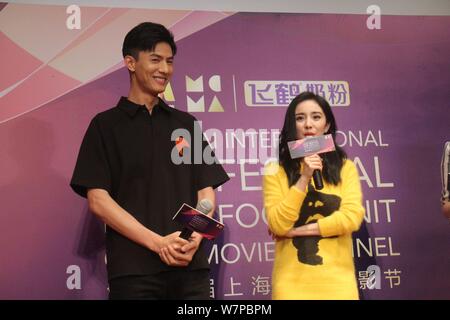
314 267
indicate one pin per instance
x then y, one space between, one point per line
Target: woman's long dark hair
332 161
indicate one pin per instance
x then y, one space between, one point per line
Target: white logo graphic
371 278
74 280
374 21
196 103
74 20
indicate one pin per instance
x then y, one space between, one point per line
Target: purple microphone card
199 222
311 145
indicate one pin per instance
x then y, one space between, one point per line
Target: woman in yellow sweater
313 229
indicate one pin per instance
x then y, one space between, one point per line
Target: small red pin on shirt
180 143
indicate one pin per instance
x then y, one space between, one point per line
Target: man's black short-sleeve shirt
127 151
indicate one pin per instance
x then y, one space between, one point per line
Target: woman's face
310 119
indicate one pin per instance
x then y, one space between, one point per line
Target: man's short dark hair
145 37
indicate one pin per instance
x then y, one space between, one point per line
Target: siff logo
195 101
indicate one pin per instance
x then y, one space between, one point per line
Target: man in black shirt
125 168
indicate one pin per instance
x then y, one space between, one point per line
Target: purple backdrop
398 79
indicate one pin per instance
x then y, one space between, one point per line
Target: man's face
154 69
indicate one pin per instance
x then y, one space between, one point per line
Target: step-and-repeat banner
387 80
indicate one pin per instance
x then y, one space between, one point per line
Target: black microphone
318 182
204 206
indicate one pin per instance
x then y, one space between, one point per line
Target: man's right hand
170 250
